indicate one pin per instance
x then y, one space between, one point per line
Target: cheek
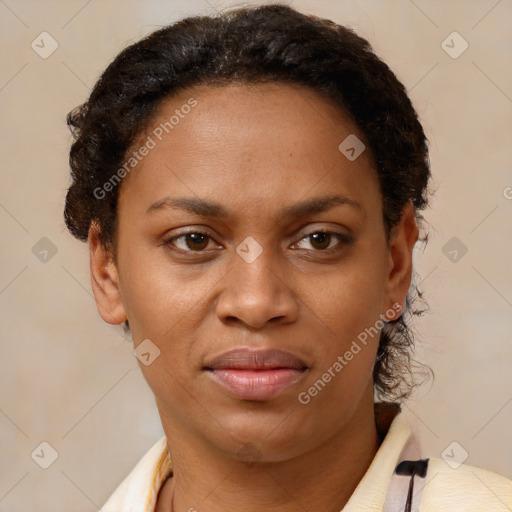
347 323
352 297
345 354
167 304
159 296
346 341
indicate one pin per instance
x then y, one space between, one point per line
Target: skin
256 150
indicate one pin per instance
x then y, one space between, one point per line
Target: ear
403 237
104 280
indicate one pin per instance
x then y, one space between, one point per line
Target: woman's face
220 247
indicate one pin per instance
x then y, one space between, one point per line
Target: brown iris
196 241
324 239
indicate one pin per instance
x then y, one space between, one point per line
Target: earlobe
401 245
104 280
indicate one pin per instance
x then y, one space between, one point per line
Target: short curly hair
252 45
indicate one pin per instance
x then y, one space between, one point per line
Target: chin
257 437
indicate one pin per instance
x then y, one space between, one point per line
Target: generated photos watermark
305 397
152 141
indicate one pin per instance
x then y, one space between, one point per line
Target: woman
250 187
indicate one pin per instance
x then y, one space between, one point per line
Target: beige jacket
444 488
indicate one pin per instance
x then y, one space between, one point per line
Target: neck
322 479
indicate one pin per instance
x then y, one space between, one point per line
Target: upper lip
262 359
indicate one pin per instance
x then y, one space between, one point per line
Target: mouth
256 374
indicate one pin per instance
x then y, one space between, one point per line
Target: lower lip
256 384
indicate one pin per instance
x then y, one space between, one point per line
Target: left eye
321 240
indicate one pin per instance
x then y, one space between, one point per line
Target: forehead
250 144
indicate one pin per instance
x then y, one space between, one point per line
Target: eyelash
343 238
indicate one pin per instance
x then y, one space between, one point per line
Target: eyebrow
212 209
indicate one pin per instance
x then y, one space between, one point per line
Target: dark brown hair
271 43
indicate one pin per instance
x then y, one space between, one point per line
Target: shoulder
138 491
465 489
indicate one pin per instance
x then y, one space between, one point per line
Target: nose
257 292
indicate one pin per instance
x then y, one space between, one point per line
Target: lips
256 374
245 359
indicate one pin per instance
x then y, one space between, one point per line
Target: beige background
72 381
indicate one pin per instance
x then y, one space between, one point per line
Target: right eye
193 241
